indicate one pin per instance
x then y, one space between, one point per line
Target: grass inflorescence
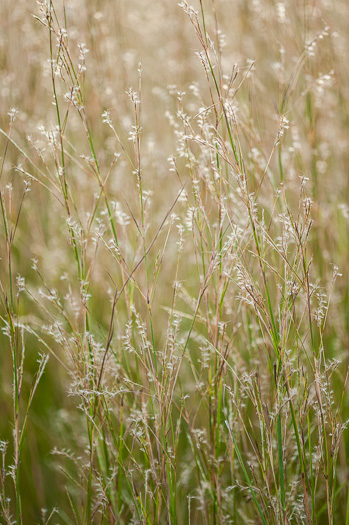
174 261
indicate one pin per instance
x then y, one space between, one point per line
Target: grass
174 261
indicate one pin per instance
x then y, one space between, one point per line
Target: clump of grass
191 318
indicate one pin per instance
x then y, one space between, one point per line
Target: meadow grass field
174 262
